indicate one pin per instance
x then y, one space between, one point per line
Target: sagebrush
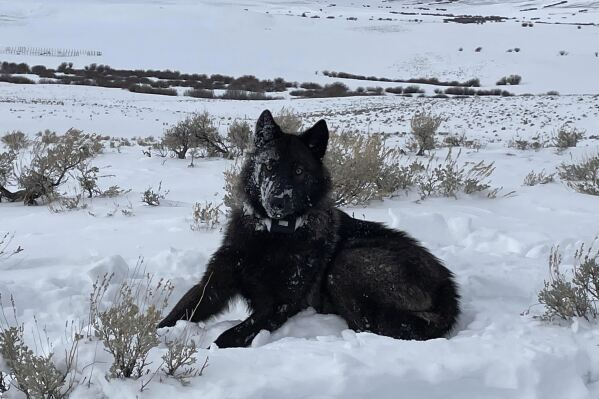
153 198
447 178
288 120
233 189
127 328
533 178
239 135
197 131
582 176
15 141
36 375
180 359
567 136
6 249
535 143
424 126
39 169
205 216
573 293
363 168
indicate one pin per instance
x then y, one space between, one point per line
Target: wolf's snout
279 206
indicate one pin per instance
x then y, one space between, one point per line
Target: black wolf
289 248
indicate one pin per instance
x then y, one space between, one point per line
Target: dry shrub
509 80
567 136
47 165
181 137
145 141
118 142
207 137
199 93
364 168
336 89
239 135
16 79
231 94
147 89
413 89
311 86
63 203
233 189
288 120
447 178
533 178
576 296
180 358
583 176
205 216
535 143
5 246
7 160
113 191
88 177
461 141
355 161
454 140
15 141
127 327
153 198
424 125
36 375
90 143
196 131
160 150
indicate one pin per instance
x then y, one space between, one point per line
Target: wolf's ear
316 138
266 129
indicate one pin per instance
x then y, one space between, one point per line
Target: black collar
287 225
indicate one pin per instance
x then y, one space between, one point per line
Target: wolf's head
284 176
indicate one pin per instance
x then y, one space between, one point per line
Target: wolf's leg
243 333
210 296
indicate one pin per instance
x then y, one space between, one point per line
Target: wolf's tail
447 305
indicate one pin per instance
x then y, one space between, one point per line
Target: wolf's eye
299 170
269 166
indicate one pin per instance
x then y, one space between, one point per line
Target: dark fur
377 279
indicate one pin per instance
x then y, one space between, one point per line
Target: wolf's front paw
167 322
231 339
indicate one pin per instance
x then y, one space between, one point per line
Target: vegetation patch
573 292
582 176
428 81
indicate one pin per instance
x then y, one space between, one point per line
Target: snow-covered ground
498 248
271 38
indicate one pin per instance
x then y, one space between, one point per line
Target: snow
498 248
270 39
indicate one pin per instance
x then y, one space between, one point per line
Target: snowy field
498 248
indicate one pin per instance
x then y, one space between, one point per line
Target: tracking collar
285 226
